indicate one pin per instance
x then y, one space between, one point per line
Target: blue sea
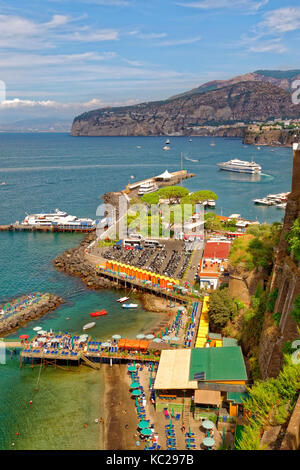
47 171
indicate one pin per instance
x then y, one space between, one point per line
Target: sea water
47 171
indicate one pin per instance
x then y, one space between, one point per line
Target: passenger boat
122 299
240 166
147 187
166 147
58 219
88 326
129 305
98 314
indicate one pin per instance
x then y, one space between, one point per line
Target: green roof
237 398
218 364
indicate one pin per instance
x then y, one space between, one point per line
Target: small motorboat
99 313
88 326
122 299
129 305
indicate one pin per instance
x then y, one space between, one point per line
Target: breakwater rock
46 303
76 263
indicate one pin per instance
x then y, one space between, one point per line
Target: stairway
186 412
90 363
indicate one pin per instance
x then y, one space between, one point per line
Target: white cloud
94 36
251 5
179 42
268 46
280 21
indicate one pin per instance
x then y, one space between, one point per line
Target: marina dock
41 228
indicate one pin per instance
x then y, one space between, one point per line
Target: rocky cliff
283 138
245 101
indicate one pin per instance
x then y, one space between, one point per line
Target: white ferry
58 219
147 187
240 166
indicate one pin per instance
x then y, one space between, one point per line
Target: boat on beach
122 299
89 325
99 313
129 305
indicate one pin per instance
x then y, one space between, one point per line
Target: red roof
218 250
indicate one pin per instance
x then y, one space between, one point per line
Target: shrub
221 307
293 238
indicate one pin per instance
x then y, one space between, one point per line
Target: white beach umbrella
116 336
37 328
140 336
157 340
175 338
149 336
166 338
42 332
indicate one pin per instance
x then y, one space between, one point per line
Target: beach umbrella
208 442
136 393
24 336
143 424
208 424
116 336
134 385
149 336
42 332
166 338
37 328
146 432
140 336
174 338
131 368
157 340
105 345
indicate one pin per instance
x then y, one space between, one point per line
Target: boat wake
190 159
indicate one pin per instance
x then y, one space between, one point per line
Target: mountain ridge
245 98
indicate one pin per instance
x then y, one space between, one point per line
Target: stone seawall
46 303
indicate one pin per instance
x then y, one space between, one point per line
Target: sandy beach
119 407
120 420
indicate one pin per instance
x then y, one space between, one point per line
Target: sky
59 58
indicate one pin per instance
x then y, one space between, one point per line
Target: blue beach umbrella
134 385
143 424
146 432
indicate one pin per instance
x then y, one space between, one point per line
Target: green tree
151 198
221 307
212 222
293 238
204 195
173 193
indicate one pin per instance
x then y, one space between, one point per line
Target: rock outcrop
276 138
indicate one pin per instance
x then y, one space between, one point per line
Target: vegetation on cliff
293 239
270 403
256 249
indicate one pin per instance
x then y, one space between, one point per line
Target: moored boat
99 313
89 325
122 299
129 305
